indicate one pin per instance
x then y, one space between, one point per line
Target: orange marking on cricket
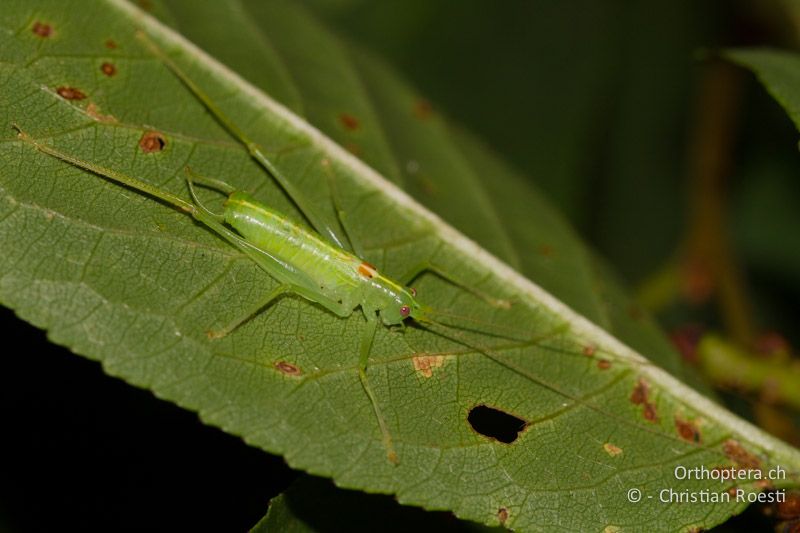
367 270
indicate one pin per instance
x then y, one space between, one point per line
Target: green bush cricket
316 266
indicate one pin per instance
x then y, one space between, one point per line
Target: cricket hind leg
338 308
294 193
367 338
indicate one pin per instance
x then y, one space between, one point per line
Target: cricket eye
404 311
413 291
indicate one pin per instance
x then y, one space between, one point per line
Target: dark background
595 101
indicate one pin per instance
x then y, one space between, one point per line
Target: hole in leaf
495 424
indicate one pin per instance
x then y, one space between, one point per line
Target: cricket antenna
469 324
454 333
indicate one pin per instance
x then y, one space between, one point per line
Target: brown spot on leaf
423 109
546 250
603 364
424 364
502 515
739 455
70 93
287 368
111 44
108 69
589 350
687 430
650 413
42 30
640 396
152 141
93 111
349 121
612 450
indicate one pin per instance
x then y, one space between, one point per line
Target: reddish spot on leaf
152 141
70 93
42 30
287 368
687 430
603 364
108 69
111 44
423 109
640 396
589 350
502 515
349 121
739 455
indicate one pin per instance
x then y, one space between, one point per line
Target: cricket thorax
394 301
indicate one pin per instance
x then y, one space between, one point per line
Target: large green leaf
125 280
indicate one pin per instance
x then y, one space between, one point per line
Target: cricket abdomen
332 270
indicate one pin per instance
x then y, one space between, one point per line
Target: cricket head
403 305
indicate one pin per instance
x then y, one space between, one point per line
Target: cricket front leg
340 309
367 336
